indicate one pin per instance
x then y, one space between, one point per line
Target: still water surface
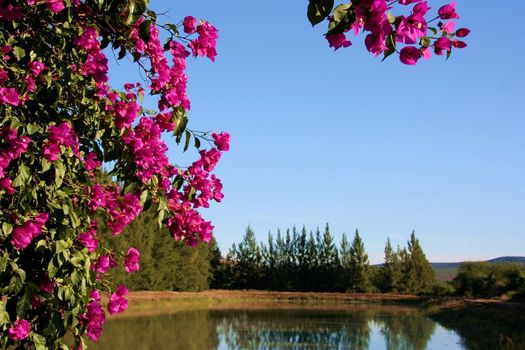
279 329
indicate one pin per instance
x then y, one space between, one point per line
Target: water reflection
277 329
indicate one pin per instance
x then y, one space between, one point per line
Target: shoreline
146 303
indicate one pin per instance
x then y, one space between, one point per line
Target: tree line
308 261
301 260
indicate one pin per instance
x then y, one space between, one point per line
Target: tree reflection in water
299 329
271 329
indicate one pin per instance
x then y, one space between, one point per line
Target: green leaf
60 172
32 128
391 18
143 197
19 53
343 18
197 142
136 9
122 53
144 31
3 262
7 228
52 269
318 10
17 282
23 304
23 176
425 41
390 43
4 316
45 165
39 341
75 221
187 143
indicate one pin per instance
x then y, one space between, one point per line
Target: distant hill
446 271
515 259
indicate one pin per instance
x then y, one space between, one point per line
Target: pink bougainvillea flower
421 9
448 27
23 235
89 240
102 264
36 67
337 40
56 5
19 330
375 43
10 12
117 301
410 55
131 262
9 96
60 135
91 161
462 32
412 28
94 317
426 53
448 11
222 141
205 44
189 24
5 184
47 286
442 44
459 44
407 2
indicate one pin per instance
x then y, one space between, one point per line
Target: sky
342 138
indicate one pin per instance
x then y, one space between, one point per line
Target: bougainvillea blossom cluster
77 157
14 146
24 234
386 31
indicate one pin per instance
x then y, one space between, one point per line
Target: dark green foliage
298 261
165 264
419 275
389 275
248 262
359 266
484 326
406 271
328 262
483 279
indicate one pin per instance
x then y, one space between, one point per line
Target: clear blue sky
342 138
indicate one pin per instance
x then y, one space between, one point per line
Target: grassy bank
148 303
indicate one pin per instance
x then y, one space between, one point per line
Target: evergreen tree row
165 264
308 261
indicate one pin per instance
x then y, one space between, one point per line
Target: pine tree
422 276
312 266
328 261
390 272
345 267
301 248
248 261
270 264
359 266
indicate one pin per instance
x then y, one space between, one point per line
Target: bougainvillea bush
77 155
399 26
